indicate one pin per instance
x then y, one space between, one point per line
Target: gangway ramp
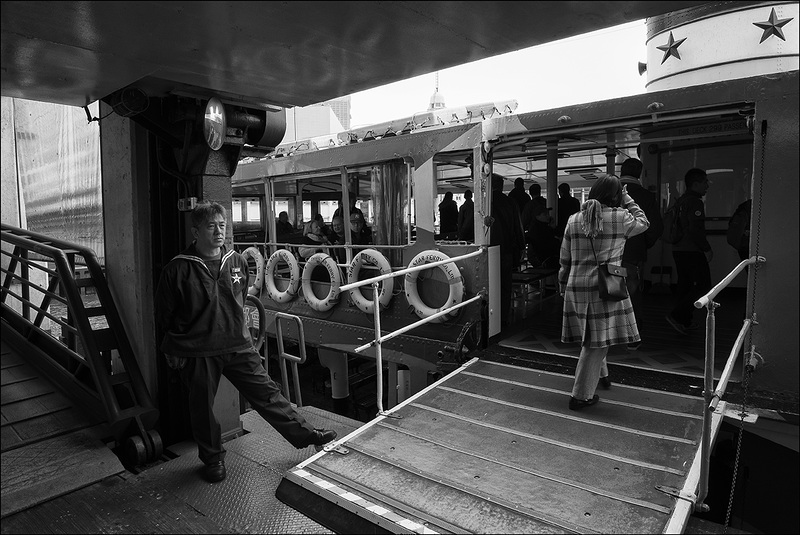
493 448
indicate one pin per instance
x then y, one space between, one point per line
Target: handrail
283 356
712 396
721 285
62 254
378 341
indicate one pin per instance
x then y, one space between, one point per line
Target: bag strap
591 241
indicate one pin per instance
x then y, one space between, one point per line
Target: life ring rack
374 258
270 272
324 260
258 258
451 272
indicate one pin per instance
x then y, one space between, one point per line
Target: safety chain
748 372
748 368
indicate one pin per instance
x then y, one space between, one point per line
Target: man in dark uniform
635 254
692 253
200 307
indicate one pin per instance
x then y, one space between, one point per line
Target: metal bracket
739 414
677 493
336 448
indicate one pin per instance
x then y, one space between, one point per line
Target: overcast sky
590 67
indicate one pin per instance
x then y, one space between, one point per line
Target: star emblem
671 48
772 26
236 278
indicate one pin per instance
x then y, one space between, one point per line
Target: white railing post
377 314
710 396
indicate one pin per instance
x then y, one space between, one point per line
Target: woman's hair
607 191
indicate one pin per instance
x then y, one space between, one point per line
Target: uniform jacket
202 314
693 222
607 322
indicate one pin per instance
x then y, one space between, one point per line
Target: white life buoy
294 276
373 258
453 276
324 260
255 254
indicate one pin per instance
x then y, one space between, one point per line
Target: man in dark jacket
200 308
506 231
692 254
466 218
635 254
518 194
567 205
448 217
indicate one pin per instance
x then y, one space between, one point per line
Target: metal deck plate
494 448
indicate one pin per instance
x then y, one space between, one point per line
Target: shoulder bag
610 280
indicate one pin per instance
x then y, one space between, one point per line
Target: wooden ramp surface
49 446
493 448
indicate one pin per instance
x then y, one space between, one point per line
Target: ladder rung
104 339
95 311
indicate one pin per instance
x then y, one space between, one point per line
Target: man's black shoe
320 437
214 472
605 382
577 404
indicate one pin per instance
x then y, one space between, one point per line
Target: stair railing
84 369
712 397
379 338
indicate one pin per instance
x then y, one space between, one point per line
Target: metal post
378 354
708 395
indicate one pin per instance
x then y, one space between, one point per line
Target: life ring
373 258
453 276
294 276
258 258
324 260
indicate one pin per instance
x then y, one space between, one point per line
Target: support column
125 164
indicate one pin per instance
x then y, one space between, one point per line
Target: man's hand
176 363
709 255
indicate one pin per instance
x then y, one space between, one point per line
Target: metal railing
712 397
84 361
379 339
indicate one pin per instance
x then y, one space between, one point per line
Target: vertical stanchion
378 355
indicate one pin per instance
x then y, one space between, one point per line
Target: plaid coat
601 323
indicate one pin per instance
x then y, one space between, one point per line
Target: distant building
341 108
309 122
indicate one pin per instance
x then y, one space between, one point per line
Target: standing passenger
508 234
567 205
601 228
448 217
466 218
518 194
200 307
692 253
635 255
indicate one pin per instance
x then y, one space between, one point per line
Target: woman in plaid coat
609 217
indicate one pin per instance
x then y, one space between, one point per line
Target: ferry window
253 212
236 211
306 211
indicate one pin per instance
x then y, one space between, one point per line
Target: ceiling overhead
278 53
